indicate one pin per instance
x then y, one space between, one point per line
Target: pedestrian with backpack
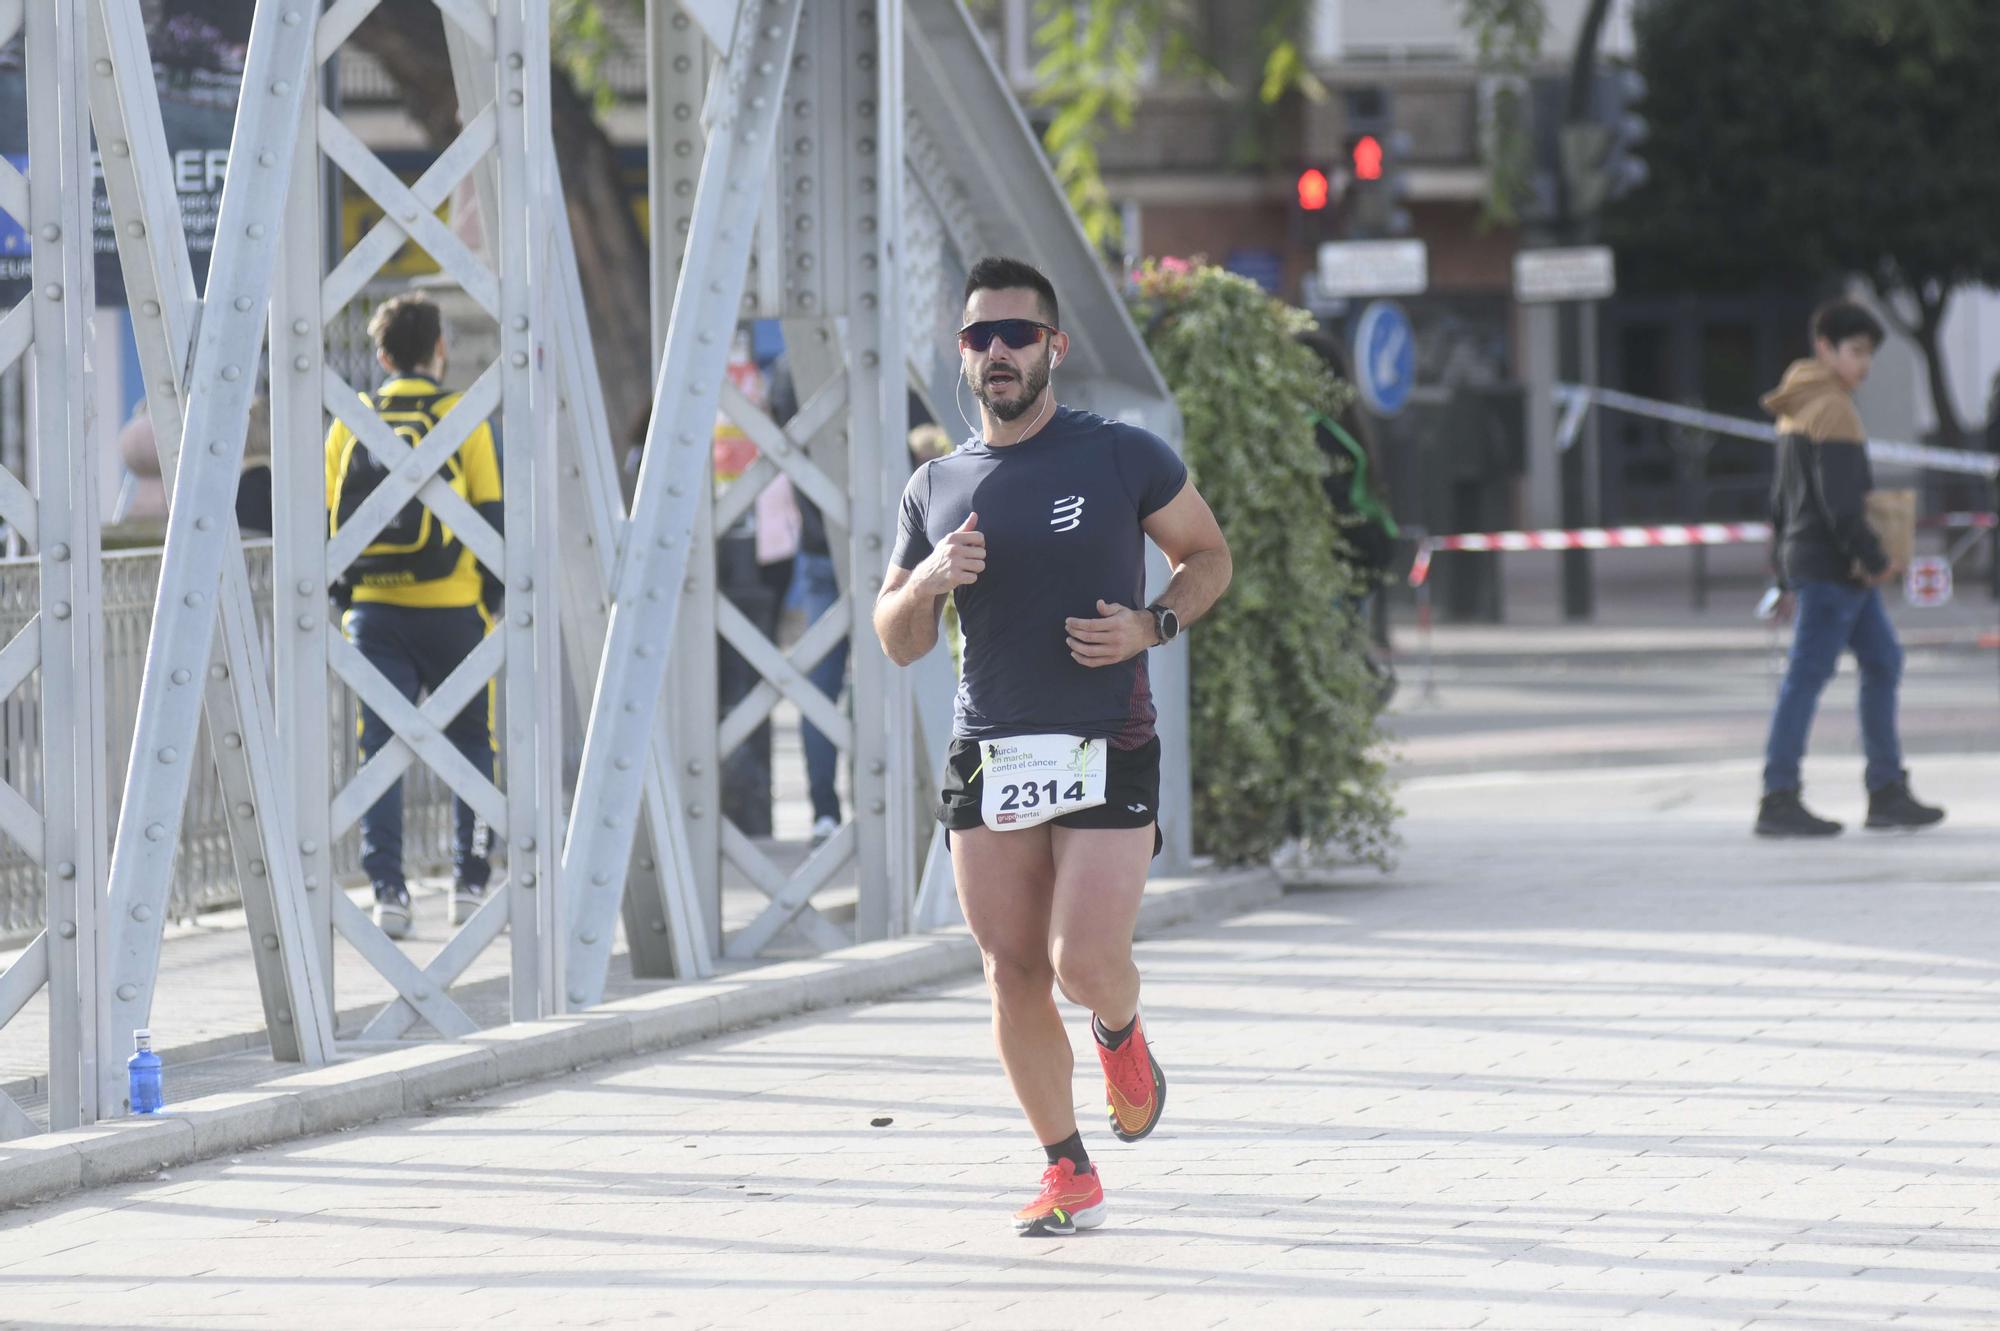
417 601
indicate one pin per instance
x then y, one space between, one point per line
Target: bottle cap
143 1034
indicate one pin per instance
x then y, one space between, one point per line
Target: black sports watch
1165 622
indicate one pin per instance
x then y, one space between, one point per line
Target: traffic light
1374 156
1314 190
1600 160
1366 154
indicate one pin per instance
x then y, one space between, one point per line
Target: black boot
1893 807
1781 814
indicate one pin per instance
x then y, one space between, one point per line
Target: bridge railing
204 875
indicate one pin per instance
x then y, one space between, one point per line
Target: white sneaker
465 901
823 830
393 917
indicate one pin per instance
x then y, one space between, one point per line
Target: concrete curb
409 1080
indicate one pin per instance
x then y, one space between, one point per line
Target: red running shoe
1068 1202
1135 1090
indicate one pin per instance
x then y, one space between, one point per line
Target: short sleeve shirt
1061 512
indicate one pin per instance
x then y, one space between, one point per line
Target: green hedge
1284 737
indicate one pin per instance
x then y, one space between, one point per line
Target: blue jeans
815 589
416 649
1832 617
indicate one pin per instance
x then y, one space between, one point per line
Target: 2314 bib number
1032 778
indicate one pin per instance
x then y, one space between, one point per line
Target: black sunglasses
1016 333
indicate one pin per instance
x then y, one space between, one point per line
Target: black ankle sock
1071 1149
1109 1038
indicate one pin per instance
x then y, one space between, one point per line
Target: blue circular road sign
1385 357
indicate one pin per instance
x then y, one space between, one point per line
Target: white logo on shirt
1068 514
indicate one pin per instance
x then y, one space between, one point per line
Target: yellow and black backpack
415 546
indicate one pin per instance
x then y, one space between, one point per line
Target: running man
1038 530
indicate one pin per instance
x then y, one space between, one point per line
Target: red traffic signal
1367 154
1313 189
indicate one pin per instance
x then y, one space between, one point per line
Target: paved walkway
1590 1054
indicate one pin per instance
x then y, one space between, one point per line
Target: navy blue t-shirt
1061 514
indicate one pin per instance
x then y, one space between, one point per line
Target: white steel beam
677 69
221 378
878 421
68 837
159 288
745 108
300 609
529 483
664 931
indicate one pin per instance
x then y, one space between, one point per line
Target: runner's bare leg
1100 876
1006 881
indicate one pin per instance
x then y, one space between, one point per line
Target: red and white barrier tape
1631 538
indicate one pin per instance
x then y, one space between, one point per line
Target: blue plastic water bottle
144 1067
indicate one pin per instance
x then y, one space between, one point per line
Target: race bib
1032 778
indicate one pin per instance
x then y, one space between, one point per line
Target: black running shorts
1131 790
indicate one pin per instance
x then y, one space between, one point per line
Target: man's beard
1033 380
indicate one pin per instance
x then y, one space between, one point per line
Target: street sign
1928 583
1586 272
1374 268
1385 358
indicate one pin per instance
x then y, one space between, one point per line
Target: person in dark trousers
1832 564
419 602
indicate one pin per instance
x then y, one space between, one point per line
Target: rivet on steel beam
421 993
255 231
514 60
59 552
52 233
527 844
694 810
270 942
305 623
203 524
520 360
103 68
622 763
217 448
524 619
120 148
142 912
151 309
587 937
181 676
244 809
267 158
526 584
60 609
527 878
218 671
232 740
66 929
284 1016
192 599
231 373
53 291
309 847
128 992
659 926
168 754
65 870
300 327
520 323
311 882
514 99
280 88
258 868
694 767
302 363
600 878
293 18
876 806
578 997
